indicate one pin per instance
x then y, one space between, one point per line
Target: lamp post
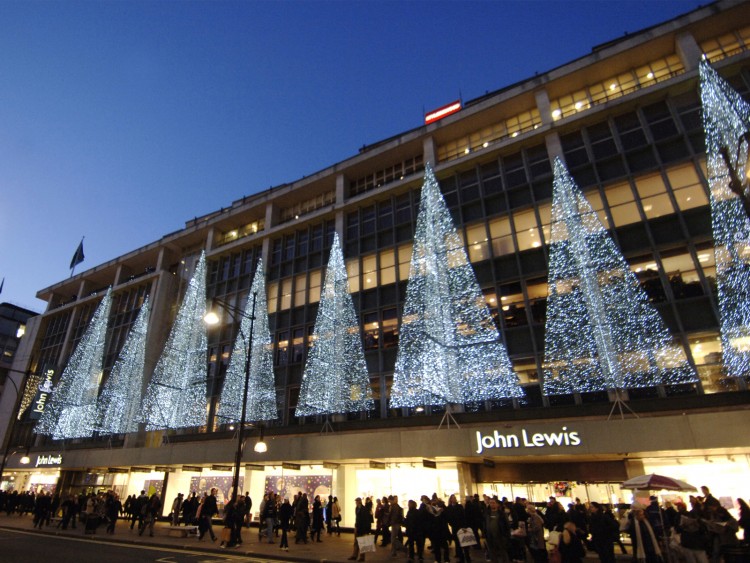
11 425
211 318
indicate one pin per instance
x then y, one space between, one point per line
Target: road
18 545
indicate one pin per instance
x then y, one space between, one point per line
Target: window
478 243
286 294
299 290
282 347
622 204
687 187
298 345
390 327
369 272
352 271
273 289
527 231
682 275
387 267
371 330
404 261
706 351
314 290
502 241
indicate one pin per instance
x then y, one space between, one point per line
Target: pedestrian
300 518
535 535
317 519
336 515
151 512
137 506
268 516
497 532
286 512
395 521
362 524
176 508
645 544
207 510
113 507
604 532
571 545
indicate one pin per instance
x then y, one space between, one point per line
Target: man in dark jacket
208 511
604 531
151 511
138 505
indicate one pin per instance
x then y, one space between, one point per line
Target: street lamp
212 318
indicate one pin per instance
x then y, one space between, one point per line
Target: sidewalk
332 549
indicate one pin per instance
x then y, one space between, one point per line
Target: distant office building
625 119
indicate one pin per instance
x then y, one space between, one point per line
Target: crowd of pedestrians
483 529
505 531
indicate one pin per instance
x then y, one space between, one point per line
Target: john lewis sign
527 439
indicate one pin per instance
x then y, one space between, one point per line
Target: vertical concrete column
340 189
210 238
429 154
466 482
554 147
271 214
542 104
688 50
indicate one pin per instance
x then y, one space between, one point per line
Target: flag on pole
78 256
2 283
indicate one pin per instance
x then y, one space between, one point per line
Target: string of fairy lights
261 392
176 394
335 379
602 334
726 122
449 347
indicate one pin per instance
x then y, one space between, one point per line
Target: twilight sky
121 120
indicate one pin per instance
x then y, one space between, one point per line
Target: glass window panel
388 275
314 290
625 214
619 193
650 185
286 294
500 227
371 330
273 289
657 206
524 220
369 272
404 259
526 370
513 309
352 270
694 196
387 258
477 242
682 176
299 290
503 245
390 327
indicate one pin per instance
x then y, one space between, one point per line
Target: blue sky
121 120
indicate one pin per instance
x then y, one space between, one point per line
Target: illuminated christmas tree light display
261 392
120 400
602 333
71 409
449 347
176 395
335 379
726 122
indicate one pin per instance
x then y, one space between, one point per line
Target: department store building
626 119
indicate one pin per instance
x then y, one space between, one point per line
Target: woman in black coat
317 519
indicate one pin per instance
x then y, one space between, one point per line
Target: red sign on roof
442 112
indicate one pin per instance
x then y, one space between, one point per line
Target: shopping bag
226 535
366 543
466 537
553 540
